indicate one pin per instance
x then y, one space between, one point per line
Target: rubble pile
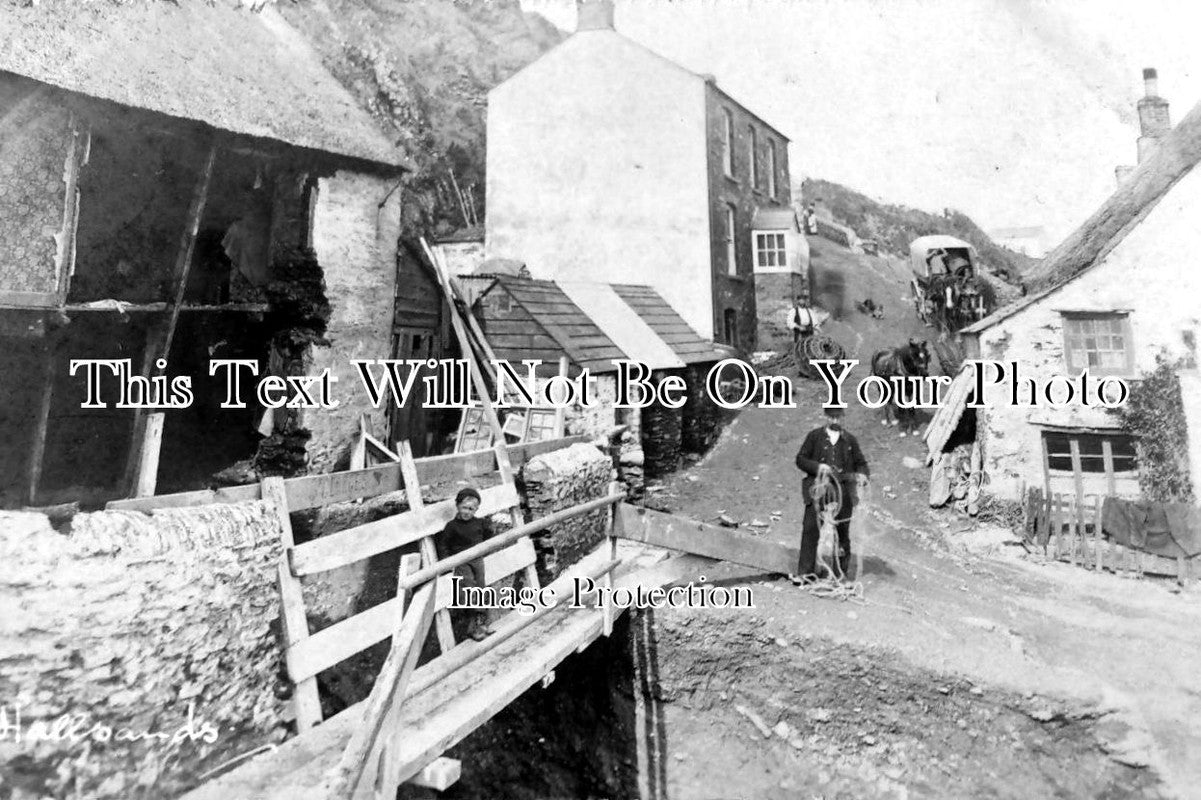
147 642
558 480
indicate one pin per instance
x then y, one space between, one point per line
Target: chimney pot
594 15
1151 82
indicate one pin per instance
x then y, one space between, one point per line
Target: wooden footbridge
416 712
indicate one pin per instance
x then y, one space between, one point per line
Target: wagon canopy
921 248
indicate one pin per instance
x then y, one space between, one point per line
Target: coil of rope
827 496
812 348
821 346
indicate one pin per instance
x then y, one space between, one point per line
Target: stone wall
559 480
774 295
37 136
661 434
355 240
700 421
151 639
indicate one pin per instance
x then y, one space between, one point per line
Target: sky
1013 111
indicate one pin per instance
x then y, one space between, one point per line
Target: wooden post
41 428
187 245
388 764
358 452
505 467
1052 541
183 266
616 527
474 368
1099 535
148 458
296 624
429 553
561 412
386 695
1053 521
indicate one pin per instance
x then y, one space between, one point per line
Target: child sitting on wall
464 531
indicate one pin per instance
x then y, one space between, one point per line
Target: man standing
803 323
800 318
830 457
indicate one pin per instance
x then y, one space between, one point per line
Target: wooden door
413 423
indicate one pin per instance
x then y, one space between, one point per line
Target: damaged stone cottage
187 182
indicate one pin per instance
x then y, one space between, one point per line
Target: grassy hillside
894 226
423 68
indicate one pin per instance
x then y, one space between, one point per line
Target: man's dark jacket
844 456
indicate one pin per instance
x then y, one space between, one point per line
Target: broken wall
35 144
155 633
356 230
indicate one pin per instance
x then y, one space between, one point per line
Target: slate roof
562 327
667 324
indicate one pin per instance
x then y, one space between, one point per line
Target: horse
911 360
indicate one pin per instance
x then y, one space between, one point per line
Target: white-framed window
727 141
752 148
770 250
731 243
1098 342
771 168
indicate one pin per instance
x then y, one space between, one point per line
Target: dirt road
966 672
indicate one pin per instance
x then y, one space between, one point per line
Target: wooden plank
372 538
1057 525
202 497
299 765
338 642
139 415
312 491
1107 453
477 375
699 538
358 452
503 563
388 690
439 775
41 428
561 412
157 355
148 461
187 245
305 700
503 540
505 467
67 236
429 553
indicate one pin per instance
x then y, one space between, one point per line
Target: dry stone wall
139 651
559 480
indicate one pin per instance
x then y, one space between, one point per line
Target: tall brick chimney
1154 121
594 15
